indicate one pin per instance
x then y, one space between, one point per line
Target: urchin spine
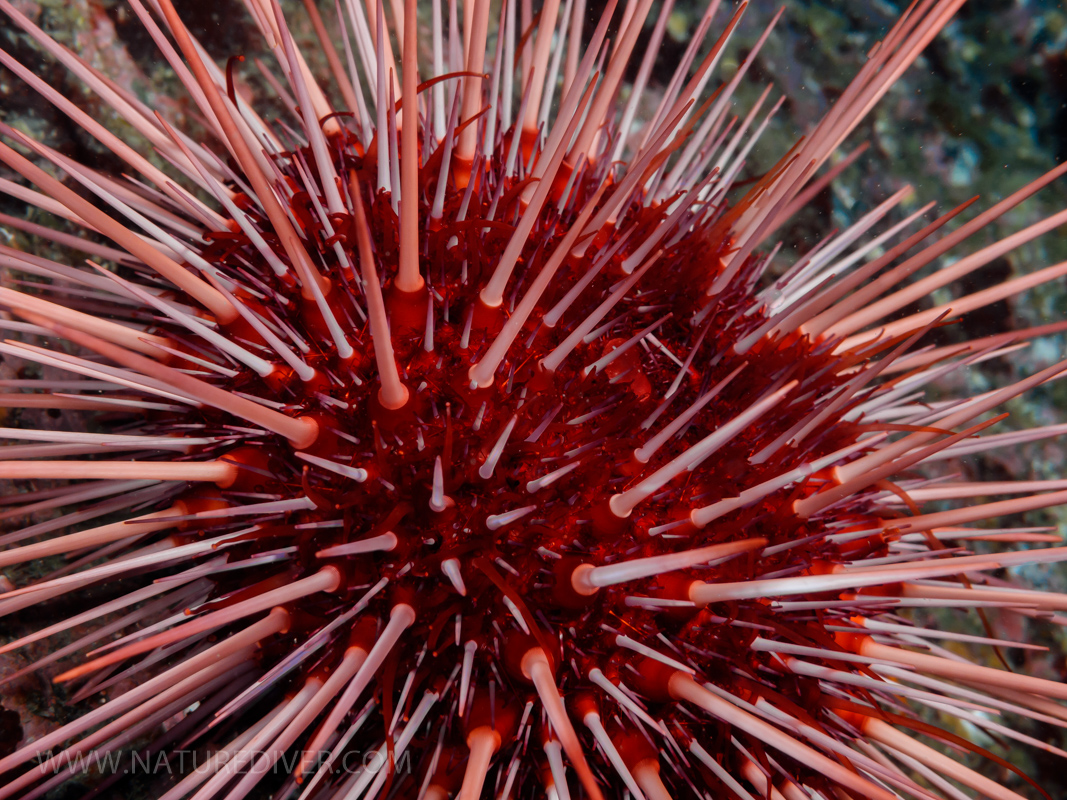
487 436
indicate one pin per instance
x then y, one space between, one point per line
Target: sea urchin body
471 427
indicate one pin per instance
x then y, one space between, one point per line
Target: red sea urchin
489 448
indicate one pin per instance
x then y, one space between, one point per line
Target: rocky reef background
983 111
